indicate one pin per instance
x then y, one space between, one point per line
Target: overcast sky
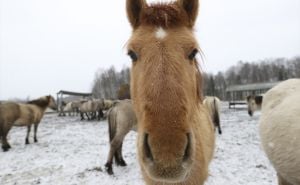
49 45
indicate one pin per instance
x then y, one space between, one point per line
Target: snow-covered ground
73 152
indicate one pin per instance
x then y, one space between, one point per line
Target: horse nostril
187 152
147 149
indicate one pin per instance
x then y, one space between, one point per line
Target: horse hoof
26 142
35 140
5 148
121 163
109 169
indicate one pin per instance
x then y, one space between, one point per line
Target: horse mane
164 15
41 102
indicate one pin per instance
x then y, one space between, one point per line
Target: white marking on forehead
160 33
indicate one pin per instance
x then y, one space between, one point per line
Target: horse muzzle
166 165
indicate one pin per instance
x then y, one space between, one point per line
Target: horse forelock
164 15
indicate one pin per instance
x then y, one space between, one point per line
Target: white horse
76 105
68 108
280 130
212 105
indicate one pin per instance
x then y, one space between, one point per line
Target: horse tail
1 127
112 125
217 116
2 122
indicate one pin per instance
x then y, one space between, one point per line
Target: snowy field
73 152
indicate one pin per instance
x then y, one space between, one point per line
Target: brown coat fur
175 133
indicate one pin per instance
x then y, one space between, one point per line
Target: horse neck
42 106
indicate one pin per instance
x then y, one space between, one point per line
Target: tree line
111 84
115 84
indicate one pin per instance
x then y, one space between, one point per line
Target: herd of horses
176 139
91 109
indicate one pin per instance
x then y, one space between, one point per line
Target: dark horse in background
23 114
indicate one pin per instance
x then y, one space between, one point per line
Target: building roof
251 87
74 93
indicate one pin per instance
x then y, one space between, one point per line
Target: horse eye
132 55
193 54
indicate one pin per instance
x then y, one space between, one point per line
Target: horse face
253 104
165 86
52 103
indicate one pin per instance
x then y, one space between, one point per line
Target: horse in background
23 114
212 104
68 108
279 130
73 107
91 108
121 119
61 107
76 105
108 104
254 103
175 134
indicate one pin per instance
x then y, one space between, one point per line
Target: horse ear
191 8
134 9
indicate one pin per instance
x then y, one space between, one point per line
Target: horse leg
282 181
92 115
119 157
100 114
95 115
5 144
82 116
35 131
114 145
27 135
87 115
219 129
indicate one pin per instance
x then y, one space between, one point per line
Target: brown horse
19 114
175 134
121 119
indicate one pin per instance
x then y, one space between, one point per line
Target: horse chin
176 174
